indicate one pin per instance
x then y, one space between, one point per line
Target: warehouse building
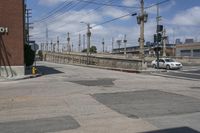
11 38
188 50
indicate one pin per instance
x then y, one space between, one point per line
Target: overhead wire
105 22
54 11
50 22
86 14
98 3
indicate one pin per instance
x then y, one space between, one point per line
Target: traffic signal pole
158 36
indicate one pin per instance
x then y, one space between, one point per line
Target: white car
167 63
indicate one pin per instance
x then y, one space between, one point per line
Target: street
74 99
188 73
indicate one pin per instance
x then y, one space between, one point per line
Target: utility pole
72 47
51 50
103 45
47 47
142 31
88 42
112 44
141 19
41 46
68 43
58 44
125 41
62 48
84 41
79 43
119 44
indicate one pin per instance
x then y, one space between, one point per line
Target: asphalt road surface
188 73
74 99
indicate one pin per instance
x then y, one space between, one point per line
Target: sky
180 18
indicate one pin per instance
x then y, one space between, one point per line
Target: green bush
93 49
29 55
40 54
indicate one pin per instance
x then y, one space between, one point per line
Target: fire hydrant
34 70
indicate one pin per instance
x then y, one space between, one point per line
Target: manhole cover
149 103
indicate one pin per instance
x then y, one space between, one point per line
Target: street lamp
88 39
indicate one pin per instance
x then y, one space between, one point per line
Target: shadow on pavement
175 130
44 70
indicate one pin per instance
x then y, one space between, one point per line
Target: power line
127 14
55 10
69 10
122 16
105 4
111 1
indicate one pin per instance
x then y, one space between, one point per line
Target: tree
29 55
93 49
40 54
84 50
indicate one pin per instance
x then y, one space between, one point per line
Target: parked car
167 63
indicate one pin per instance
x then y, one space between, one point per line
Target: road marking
186 73
177 77
193 69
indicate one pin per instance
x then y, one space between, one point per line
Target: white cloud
130 2
162 8
188 17
50 2
114 12
60 24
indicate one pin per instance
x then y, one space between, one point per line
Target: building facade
148 50
188 50
11 38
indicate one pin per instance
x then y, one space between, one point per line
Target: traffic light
155 38
159 28
159 38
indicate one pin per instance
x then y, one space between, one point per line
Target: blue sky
181 18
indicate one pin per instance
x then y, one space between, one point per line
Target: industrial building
188 50
11 38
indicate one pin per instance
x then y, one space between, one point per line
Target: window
196 52
169 60
185 52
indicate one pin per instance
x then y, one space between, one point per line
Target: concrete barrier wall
111 62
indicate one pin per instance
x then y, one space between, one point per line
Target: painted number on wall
3 29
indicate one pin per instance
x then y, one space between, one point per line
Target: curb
20 78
